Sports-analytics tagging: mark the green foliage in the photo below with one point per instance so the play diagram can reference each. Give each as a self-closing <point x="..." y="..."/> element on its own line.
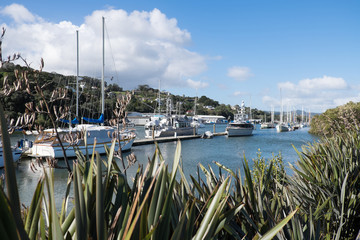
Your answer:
<point x="326" y="183"/>
<point x="336" y="120"/>
<point x="274" y="167"/>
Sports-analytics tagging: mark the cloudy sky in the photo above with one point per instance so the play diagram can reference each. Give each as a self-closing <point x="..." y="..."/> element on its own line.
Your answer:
<point x="227" y="50"/>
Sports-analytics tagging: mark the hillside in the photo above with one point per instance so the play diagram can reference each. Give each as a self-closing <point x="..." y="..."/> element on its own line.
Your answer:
<point x="144" y="98"/>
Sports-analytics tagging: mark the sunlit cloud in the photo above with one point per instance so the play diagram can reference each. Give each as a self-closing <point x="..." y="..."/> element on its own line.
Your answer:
<point x="318" y="93"/>
<point x="142" y="47"/>
<point x="19" y="13"/>
<point x="239" y="73"/>
<point x="196" y="84"/>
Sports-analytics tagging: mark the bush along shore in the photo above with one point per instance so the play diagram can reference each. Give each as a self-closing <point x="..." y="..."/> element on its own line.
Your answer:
<point x="320" y="200"/>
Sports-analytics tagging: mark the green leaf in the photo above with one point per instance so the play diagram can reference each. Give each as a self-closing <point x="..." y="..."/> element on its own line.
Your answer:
<point x="271" y="233"/>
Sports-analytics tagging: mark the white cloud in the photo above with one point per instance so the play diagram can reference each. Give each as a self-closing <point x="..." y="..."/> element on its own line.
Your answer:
<point x="237" y="93"/>
<point x="19" y="13"/>
<point x="317" y="93"/>
<point x="141" y="47"/>
<point x="196" y="84"/>
<point x="239" y="73"/>
<point x="342" y="101"/>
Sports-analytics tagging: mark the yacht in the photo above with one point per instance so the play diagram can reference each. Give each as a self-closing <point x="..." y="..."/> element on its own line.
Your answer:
<point x="240" y="126"/>
<point x="16" y="154"/>
<point x="282" y="127"/>
<point x="169" y="127"/>
<point x="46" y="143"/>
<point x="267" y="125"/>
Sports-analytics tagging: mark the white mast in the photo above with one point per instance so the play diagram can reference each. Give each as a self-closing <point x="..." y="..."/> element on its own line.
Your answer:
<point x="159" y="97"/>
<point x="103" y="69"/>
<point x="77" y="73"/>
<point x="282" y="109"/>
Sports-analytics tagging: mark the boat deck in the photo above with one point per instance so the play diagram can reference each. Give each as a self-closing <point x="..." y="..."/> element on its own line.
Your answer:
<point x="147" y="141"/>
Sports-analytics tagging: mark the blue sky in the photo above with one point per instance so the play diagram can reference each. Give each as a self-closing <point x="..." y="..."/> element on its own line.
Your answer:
<point x="227" y="50"/>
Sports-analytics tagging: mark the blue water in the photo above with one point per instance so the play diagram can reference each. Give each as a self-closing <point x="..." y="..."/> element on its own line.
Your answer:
<point x="228" y="151"/>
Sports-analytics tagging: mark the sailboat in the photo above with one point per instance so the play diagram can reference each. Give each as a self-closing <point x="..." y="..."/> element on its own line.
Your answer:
<point x="16" y="154"/>
<point x="282" y="127"/>
<point x="46" y="144"/>
<point x="271" y="124"/>
<point x="169" y="126"/>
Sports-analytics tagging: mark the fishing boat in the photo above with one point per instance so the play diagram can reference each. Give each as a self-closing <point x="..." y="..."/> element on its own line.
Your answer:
<point x="240" y="126"/>
<point x="47" y="144"/>
<point x="171" y="126"/>
<point x="16" y="154"/>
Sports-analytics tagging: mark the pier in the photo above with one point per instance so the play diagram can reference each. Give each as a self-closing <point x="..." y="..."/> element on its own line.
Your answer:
<point x="146" y="141"/>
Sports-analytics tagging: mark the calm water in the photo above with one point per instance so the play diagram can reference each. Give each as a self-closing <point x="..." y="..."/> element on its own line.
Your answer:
<point x="228" y="151"/>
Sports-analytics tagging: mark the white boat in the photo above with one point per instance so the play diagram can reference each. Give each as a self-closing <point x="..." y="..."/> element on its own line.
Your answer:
<point x="47" y="145"/>
<point x="282" y="127"/>
<point x="16" y="154"/>
<point x="207" y="134"/>
<point x="197" y="124"/>
<point x="267" y="125"/>
<point x="240" y="126"/>
<point x="236" y="129"/>
<point x="169" y="127"/>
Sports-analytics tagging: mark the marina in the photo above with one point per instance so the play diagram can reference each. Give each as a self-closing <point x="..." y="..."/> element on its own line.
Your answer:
<point x="228" y="151"/>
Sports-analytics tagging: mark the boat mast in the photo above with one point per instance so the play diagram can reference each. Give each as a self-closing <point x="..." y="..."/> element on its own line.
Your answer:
<point x="77" y="73"/>
<point x="282" y="108"/>
<point x="103" y="68"/>
<point x="159" y="97"/>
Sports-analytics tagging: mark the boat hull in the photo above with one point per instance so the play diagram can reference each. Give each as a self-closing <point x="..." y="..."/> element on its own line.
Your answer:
<point x="237" y="132"/>
<point x="47" y="150"/>
<point x="282" y="128"/>
<point x="170" y="132"/>
<point x="16" y="154"/>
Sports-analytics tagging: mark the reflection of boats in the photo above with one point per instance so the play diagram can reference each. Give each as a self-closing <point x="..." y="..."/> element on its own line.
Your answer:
<point x="169" y="126"/>
<point x="240" y="126"/>
<point x="47" y="145"/>
<point x="16" y="154"/>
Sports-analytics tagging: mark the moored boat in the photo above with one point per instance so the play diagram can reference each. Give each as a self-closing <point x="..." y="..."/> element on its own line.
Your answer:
<point x="47" y="145"/>
<point x="282" y="127"/>
<point x="267" y="125"/>
<point x="16" y="154"/>
<point x="169" y="127"/>
<point x="240" y="126"/>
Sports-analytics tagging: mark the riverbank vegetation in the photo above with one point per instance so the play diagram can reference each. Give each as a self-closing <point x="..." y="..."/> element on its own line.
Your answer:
<point x="336" y="120"/>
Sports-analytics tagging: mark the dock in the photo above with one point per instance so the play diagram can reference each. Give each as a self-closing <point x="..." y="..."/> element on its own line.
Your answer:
<point x="146" y="141"/>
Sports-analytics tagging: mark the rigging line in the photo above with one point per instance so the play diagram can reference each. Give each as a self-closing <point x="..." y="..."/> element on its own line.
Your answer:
<point x="112" y="55"/>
